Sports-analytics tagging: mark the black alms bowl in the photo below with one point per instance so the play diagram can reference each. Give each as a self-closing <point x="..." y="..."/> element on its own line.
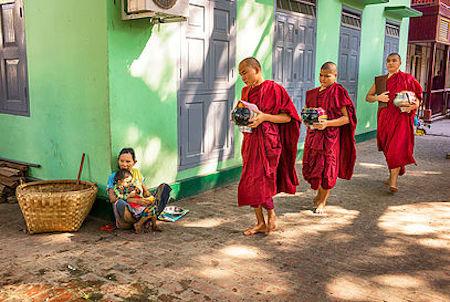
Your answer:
<point x="241" y="116"/>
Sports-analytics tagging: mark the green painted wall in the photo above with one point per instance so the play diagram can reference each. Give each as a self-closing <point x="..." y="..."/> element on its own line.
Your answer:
<point x="142" y="91"/>
<point x="371" y="52"/>
<point x="254" y="39"/>
<point x="98" y="84"/>
<point x="143" y="82"/>
<point x="67" y="71"/>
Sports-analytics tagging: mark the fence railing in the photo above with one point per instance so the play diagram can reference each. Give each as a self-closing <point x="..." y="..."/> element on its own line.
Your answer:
<point x="438" y="103"/>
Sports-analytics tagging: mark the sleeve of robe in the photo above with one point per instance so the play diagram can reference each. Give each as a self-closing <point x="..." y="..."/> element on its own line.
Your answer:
<point x="287" y="180"/>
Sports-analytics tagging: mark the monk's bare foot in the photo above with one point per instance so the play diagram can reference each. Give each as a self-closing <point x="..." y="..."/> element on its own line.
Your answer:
<point x="316" y="201"/>
<point x="271" y="223"/>
<point x="259" y="228"/>
<point x="320" y="209"/>
<point x="393" y="189"/>
<point x="393" y="186"/>
<point x="387" y="182"/>
<point x="272" y="220"/>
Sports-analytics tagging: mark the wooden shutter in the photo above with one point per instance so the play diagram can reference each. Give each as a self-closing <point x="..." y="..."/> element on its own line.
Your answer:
<point x="13" y="74"/>
<point x="349" y="46"/>
<point x="391" y="41"/>
<point x="443" y="30"/>
<point x="207" y="82"/>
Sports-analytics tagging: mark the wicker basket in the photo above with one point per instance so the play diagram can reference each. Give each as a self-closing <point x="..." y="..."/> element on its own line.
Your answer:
<point x="55" y="205"/>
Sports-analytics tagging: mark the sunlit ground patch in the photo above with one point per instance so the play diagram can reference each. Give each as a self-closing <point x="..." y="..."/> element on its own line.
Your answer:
<point x="423" y="173"/>
<point x="296" y="194"/>
<point x="228" y="258"/>
<point x="386" y="287"/>
<point x="204" y="223"/>
<point x="215" y="273"/>
<point x="241" y="251"/>
<point x="372" y="165"/>
<point x="361" y="175"/>
<point x="399" y="280"/>
<point x="55" y="238"/>
<point x="428" y="219"/>
<point x="304" y="223"/>
<point x="349" y="287"/>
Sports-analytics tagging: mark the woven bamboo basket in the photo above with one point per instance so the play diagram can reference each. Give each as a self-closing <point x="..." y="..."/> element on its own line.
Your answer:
<point x="55" y="205"/>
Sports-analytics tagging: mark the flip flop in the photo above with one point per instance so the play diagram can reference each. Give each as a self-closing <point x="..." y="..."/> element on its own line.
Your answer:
<point x="107" y="228"/>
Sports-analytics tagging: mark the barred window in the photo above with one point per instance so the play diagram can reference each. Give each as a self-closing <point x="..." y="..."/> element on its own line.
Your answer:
<point x="443" y="30"/>
<point x="351" y="19"/>
<point x="392" y="30"/>
<point x="307" y="7"/>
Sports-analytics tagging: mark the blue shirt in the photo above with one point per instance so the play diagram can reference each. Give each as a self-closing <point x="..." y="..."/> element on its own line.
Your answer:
<point x="110" y="184"/>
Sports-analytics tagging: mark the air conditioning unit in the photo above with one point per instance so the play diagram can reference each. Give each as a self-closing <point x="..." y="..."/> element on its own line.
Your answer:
<point x="161" y="10"/>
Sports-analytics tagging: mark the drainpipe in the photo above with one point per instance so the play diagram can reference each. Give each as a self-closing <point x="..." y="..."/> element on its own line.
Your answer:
<point x="427" y="112"/>
<point x="445" y="71"/>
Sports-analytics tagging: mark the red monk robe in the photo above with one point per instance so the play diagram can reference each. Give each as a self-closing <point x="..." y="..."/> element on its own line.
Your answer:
<point x="330" y="153"/>
<point x="269" y="152"/>
<point x="395" y="133"/>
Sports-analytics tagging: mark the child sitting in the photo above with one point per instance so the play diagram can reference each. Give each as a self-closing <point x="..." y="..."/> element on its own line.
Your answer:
<point x="142" y="208"/>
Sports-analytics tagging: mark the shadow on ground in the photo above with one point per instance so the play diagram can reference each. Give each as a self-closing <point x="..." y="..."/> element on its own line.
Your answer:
<point x="370" y="246"/>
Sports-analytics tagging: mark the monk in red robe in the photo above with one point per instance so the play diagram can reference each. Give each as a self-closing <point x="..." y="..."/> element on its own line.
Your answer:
<point x="330" y="148"/>
<point x="395" y="131"/>
<point x="269" y="152"/>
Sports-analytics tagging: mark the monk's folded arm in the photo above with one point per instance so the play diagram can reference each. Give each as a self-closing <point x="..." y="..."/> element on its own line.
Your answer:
<point x="280" y="118"/>
<point x="344" y="119"/>
<point x="338" y="122"/>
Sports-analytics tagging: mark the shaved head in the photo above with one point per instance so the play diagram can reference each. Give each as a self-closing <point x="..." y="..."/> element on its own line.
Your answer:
<point x="251" y="62"/>
<point x="394" y="54"/>
<point x="329" y="66"/>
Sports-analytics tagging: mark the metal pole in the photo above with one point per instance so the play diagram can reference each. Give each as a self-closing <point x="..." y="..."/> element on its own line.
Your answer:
<point x="427" y="111"/>
<point x="445" y="71"/>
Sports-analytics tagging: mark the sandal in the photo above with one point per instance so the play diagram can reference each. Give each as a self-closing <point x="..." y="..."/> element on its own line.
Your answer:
<point x="107" y="228"/>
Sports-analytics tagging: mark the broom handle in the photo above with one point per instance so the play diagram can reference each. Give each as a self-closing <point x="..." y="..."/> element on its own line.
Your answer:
<point x="81" y="168"/>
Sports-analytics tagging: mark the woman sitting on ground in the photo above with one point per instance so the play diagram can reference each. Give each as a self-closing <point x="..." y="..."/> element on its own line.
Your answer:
<point x="125" y="211"/>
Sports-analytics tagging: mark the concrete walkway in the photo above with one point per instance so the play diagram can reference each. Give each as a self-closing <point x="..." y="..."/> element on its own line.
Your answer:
<point x="370" y="246"/>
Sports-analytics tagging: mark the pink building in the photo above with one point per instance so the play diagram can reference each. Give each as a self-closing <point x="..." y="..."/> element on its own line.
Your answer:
<point x="428" y="55"/>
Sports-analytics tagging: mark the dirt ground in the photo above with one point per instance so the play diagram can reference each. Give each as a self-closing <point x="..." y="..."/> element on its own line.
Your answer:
<point x="370" y="246"/>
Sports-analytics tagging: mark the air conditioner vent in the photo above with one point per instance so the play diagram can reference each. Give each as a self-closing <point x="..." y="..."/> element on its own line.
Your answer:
<point x="165" y="4"/>
<point x="161" y="10"/>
